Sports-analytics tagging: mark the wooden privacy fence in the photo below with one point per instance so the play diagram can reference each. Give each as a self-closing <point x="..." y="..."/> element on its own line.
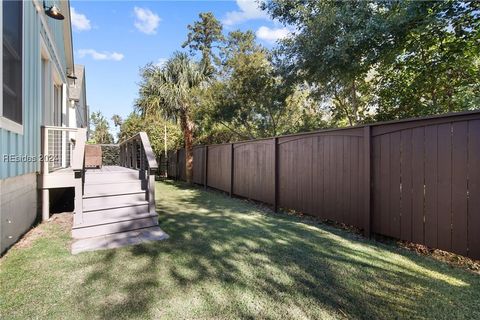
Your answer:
<point x="415" y="180"/>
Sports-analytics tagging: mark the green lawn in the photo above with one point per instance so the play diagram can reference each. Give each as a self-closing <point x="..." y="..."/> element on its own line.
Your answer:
<point x="228" y="259"/>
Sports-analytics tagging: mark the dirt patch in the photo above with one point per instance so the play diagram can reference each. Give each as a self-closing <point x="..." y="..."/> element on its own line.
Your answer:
<point x="448" y="257"/>
<point x="63" y="220"/>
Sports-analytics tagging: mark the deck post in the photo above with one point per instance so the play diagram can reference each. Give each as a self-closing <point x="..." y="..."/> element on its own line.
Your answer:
<point x="45" y="204"/>
<point x="44" y="168"/>
<point x="78" y="201"/>
<point x="151" y="191"/>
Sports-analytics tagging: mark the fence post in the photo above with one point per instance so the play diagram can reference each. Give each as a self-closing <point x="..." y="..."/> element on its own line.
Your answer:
<point x="205" y="165"/>
<point x="275" y="174"/>
<point x="232" y="152"/>
<point x="367" y="187"/>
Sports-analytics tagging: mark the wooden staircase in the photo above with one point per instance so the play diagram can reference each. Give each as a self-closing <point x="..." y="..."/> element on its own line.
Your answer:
<point x="115" y="205"/>
<point x="115" y="200"/>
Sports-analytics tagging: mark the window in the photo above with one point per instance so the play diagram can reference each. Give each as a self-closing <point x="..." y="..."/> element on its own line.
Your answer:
<point x="12" y="60"/>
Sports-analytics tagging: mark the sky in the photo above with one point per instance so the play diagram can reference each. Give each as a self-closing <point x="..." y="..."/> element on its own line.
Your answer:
<point x="114" y="39"/>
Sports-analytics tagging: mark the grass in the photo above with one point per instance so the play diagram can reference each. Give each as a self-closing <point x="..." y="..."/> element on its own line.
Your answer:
<point x="226" y="258"/>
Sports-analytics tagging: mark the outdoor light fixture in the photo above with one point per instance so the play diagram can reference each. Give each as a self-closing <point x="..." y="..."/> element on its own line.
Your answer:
<point x="53" y="12"/>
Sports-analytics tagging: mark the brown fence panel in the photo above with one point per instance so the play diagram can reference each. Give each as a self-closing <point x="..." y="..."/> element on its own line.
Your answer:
<point x="199" y="164"/>
<point x="254" y="170"/>
<point x="219" y="166"/>
<point x="426" y="182"/>
<point x="415" y="180"/>
<point x="474" y="189"/>
<point x="172" y="164"/>
<point x="321" y="174"/>
<point x="181" y="167"/>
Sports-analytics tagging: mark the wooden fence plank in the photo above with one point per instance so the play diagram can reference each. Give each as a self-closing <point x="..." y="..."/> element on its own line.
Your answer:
<point x="407" y="176"/>
<point x="384" y="184"/>
<point x="376" y="217"/>
<point x="394" y="190"/>
<point x="348" y="189"/>
<point x="474" y="189"/>
<point x="431" y="186"/>
<point x="459" y="187"/>
<point x="338" y="176"/>
<point x="444" y="187"/>
<point x="418" y="168"/>
<point x="364" y="183"/>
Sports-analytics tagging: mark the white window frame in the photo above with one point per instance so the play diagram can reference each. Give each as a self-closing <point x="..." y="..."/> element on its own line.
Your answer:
<point x="6" y="123"/>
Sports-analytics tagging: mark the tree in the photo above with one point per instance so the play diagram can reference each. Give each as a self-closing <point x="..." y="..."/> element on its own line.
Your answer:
<point x="117" y="120"/>
<point x="400" y="58"/>
<point x="202" y="36"/>
<point x="169" y="90"/>
<point x="438" y="69"/>
<point x="99" y="129"/>
<point x="154" y="125"/>
<point x="250" y="99"/>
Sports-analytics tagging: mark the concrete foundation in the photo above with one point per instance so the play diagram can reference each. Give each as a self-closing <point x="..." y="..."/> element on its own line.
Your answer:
<point x="18" y="208"/>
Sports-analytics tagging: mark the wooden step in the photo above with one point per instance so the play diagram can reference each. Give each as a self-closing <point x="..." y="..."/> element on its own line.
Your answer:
<point x="111" y="177"/>
<point x="113" y="227"/>
<point x="117" y="240"/>
<point x="112" y="187"/>
<point x="106" y="217"/>
<point x="134" y="205"/>
<point x="112" y="200"/>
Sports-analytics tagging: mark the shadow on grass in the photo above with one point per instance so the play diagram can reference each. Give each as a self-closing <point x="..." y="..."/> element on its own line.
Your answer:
<point x="226" y="259"/>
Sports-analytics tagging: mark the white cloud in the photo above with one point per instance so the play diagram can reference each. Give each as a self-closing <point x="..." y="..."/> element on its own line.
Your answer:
<point x="104" y="55"/>
<point x="271" y="34"/>
<point x="80" y="21"/>
<point x="146" y="21"/>
<point x="249" y="9"/>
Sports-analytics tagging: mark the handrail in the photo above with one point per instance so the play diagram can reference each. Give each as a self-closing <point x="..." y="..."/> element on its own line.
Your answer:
<point x="129" y="158"/>
<point x="152" y="162"/>
<point x="136" y="153"/>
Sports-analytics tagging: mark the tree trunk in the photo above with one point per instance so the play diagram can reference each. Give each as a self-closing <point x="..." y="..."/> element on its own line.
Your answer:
<point x="187" y="127"/>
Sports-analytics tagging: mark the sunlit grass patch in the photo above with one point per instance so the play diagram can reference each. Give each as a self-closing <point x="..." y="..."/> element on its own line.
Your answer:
<point x="226" y="258"/>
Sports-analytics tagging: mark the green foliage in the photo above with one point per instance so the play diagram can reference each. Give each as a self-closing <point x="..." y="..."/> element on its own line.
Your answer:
<point x="99" y="129"/>
<point x="170" y="91"/>
<point x="154" y="125"/>
<point x="438" y="68"/>
<point x="203" y="36"/>
<point x="110" y="155"/>
<point x="394" y="58"/>
<point x="346" y="63"/>
<point x="117" y="120"/>
<point x="250" y="99"/>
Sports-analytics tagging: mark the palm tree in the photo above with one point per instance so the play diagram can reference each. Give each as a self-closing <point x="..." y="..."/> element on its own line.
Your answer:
<point x="170" y="89"/>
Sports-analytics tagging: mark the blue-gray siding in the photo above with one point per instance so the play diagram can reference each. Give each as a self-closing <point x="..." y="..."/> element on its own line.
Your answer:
<point x="29" y="142"/>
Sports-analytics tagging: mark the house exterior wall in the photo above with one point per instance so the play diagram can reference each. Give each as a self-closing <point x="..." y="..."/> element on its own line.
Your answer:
<point x="81" y="108"/>
<point x="18" y="179"/>
<point x="35" y="31"/>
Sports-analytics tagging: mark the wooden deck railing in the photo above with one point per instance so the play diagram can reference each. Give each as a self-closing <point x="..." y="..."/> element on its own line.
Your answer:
<point x="136" y="153"/>
<point x="62" y="148"/>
